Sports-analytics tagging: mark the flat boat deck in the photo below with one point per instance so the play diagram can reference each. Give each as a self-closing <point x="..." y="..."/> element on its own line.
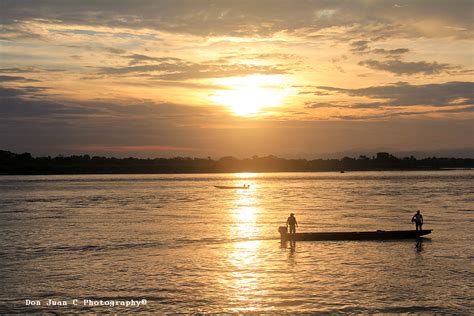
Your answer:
<point x="369" y="235"/>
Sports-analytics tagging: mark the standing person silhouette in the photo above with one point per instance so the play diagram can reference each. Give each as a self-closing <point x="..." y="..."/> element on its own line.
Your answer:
<point x="291" y="221"/>
<point x="418" y="220"/>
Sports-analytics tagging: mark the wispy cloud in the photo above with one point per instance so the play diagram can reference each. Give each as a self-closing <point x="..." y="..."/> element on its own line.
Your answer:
<point x="359" y="46"/>
<point x="393" y="114"/>
<point x="139" y="59"/>
<point x="178" y="69"/>
<point x="26" y="70"/>
<point x="318" y="105"/>
<point x="363" y="47"/>
<point x="407" y="68"/>
<point x="390" y="52"/>
<point x="16" y="78"/>
<point x="405" y="94"/>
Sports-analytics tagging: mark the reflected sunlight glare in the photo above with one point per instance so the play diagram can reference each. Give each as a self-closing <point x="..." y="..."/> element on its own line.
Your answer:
<point x="244" y="215"/>
<point x="244" y="281"/>
<point x="245" y="175"/>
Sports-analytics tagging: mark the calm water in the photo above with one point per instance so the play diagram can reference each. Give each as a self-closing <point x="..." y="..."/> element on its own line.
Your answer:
<point x="184" y="246"/>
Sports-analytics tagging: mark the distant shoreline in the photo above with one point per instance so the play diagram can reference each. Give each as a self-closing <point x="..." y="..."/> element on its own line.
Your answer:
<point x="201" y="173"/>
<point x="25" y="164"/>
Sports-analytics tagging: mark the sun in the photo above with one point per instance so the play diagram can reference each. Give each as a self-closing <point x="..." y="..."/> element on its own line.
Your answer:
<point x="247" y="96"/>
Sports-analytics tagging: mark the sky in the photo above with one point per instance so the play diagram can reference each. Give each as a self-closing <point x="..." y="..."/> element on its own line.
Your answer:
<point x="295" y="78"/>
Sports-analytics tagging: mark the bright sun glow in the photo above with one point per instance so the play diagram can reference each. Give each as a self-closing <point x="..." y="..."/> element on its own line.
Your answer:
<point x="247" y="96"/>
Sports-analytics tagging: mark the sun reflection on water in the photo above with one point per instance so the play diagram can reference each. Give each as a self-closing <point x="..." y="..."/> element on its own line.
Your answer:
<point x="245" y="175"/>
<point x="244" y="216"/>
<point x="243" y="280"/>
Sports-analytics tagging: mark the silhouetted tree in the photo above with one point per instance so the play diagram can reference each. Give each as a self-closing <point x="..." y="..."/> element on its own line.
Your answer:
<point x="11" y="163"/>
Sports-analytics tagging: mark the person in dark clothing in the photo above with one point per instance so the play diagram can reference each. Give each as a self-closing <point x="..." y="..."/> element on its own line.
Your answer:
<point x="418" y="220"/>
<point x="291" y="221"/>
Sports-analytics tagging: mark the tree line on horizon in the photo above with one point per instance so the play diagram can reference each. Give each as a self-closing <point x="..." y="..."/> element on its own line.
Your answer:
<point x="25" y="163"/>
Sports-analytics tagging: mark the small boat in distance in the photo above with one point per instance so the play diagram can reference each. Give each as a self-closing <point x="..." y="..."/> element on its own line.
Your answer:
<point x="369" y="235"/>
<point x="232" y="187"/>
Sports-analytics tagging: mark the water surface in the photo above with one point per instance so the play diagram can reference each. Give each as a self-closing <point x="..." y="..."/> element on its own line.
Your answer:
<point x="185" y="246"/>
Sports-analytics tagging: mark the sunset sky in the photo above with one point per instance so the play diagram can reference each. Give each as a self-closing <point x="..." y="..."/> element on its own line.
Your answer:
<point x="197" y="78"/>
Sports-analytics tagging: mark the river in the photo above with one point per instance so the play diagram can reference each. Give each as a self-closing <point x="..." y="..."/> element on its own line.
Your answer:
<point x="177" y="244"/>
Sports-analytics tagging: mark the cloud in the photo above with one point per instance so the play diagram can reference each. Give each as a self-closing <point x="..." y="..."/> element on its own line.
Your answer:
<point x="21" y="91"/>
<point x="32" y="102"/>
<point x="407" y="68"/>
<point x="17" y="31"/>
<point x="390" y="52"/>
<point x="114" y="50"/>
<point x="110" y="50"/>
<point x="161" y="46"/>
<point x="404" y="94"/>
<point x="241" y="56"/>
<point x="27" y="70"/>
<point x="458" y="110"/>
<point x="248" y="18"/>
<point x="360" y="46"/>
<point x="468" y="109"/>
<point x="318" y="105"/>
<point x="16" y="78"/>
<point x="178" y="69"/>
<point x="14" y="106"/>
<point x="217" y="71"/>
<point x="39" y="123"/>
<point x="368" y="105"/>
<point x="139" y="59"/>
<point x="152" y="81"/>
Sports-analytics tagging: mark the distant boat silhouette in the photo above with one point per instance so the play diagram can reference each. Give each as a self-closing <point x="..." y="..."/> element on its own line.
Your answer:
<point x="232" y="187"/>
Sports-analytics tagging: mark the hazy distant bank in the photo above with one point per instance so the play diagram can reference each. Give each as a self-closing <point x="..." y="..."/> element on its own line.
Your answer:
<point x="11" y="164"/>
